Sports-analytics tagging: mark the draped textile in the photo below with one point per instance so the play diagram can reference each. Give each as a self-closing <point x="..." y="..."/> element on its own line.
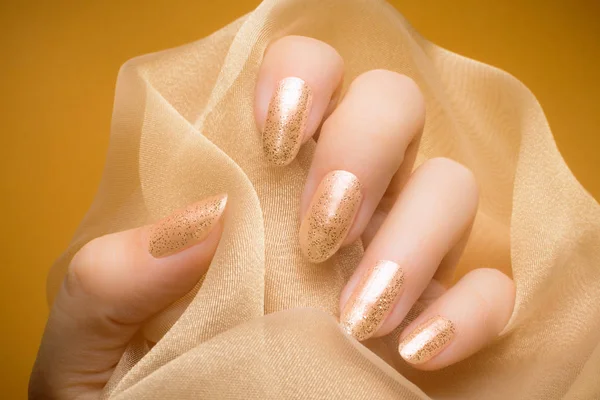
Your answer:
<point x="262" y="323"/>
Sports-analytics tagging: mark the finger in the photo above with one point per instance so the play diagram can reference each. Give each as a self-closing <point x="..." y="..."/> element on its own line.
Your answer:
<point x="393" y="191"/>
<point x="361" y="146"/>
<point x="114" y="283"/>
<point x="432" y="214"/>
<point x="466" y="318"/>
<point x="296" y="82"/>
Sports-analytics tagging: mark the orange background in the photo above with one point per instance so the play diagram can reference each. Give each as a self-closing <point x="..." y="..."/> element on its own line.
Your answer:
<point x="58" y="70"/>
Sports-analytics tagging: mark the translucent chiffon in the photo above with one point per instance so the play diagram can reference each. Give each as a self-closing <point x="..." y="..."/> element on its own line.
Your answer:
<point x="262" y="323"/>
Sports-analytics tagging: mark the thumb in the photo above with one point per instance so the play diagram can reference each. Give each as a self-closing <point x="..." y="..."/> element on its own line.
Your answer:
<point x="114" y="283"/>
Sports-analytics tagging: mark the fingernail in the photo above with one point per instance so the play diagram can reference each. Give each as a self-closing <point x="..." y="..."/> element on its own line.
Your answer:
<point x="372" y="299"/>
<point x="185" y="228"/>
<point x="286" y="120"/>
<point x="427" y="340"/>
<point x="330" y="215"/>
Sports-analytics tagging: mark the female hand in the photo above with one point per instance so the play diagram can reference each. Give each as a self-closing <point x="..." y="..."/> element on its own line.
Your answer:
<point x="414" y="226"/>
<point x="113" y="285"/>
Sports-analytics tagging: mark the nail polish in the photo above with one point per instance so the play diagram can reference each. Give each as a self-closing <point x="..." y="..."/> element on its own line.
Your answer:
<point x="427" y="340"/>
<point x="286" y="120"/>
<point x="372" y="299"/>
<point x="330" y="215"/>
<point x="186" y="227"/>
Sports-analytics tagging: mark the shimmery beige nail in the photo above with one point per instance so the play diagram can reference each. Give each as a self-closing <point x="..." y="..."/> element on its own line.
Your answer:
<point x="330" y="215"/>
<point x="185" y="227"/>
<point x="427" y="340"/>
<point x="372" y="299"/>
<point x="286" y="120"/>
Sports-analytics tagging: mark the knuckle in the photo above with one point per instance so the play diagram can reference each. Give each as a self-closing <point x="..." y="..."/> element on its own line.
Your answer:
<point x="481" y="309"/>
<point x="403" y="86"/>
<point x="398" y="97"/>
<point x="86" y="282"/>
<point x="80" y="274"/>
<point x="456" y="172"/>
<point x="495" y="293"/>
<point x="394" y="102"/>
<point x="491" y="275"/>
<point x="387" y="76"/>
<point x="498" y="279"/>
<point x="305" y="45"/>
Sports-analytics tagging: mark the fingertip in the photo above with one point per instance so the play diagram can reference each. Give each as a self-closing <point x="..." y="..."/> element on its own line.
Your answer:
<point x="136" y="273"/>
<point x="185" y="227"/>
<point x="465" y="319"/>
<point x="296" y="82"/>
<point x="331" y="214"/>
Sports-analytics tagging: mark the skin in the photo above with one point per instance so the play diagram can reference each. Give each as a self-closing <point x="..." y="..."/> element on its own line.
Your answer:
<point x="421" y="220"/>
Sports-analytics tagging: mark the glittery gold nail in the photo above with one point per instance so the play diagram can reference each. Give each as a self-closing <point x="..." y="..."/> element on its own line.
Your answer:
<point x="372" y="299"/>
<point x="286" y="120"/>
<point x="185" y="227"/>
<point x="330" y="215"/>
<point x="427" y="340"/>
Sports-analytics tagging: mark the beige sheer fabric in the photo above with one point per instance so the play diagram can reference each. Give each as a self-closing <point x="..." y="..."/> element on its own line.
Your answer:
<point x="262" y="324"/>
